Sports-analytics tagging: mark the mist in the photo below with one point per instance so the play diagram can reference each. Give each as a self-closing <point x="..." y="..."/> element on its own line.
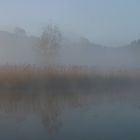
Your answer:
<point x="18" y="48"/>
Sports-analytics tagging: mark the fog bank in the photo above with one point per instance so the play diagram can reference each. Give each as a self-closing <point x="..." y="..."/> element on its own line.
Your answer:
<point x="18" y="48"/>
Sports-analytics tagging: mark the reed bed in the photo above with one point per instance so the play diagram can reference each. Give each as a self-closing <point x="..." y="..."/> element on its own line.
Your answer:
<point x="64" y="77"/>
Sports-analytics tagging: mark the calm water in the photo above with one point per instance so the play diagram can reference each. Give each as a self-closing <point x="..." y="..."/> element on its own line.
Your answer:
<point x="75" y="115"/>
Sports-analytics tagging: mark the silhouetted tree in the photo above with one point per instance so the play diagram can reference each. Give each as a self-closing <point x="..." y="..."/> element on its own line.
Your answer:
<point x="50" y="41"/>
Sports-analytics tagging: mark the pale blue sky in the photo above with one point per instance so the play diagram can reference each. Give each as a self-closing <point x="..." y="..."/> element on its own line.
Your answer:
<point x="108" y="22"/>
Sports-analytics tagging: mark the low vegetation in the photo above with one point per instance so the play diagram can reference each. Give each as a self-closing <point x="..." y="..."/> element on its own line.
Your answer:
<point x="64" y="77"/>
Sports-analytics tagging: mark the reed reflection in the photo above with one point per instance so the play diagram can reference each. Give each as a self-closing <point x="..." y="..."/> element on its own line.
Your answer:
<point x="48" y="106"/>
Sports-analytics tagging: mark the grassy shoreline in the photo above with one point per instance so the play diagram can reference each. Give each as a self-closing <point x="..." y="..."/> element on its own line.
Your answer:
<point x="60" y="77"/>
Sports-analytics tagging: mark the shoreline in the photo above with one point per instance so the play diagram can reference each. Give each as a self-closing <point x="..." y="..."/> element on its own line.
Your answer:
<point x="65" y="78"/>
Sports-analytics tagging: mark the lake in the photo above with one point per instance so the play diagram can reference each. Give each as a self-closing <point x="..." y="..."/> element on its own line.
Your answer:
<point x="110" y="114"/>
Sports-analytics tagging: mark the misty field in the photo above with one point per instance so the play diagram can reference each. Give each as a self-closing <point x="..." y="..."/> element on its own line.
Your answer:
<point x="66" y="78"/>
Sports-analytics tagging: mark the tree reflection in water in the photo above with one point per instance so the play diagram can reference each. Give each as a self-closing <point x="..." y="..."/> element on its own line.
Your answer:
<point x="48" y="106"/>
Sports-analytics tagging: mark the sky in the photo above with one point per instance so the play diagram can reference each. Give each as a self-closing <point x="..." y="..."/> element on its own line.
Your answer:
<point x="108" y="22"/>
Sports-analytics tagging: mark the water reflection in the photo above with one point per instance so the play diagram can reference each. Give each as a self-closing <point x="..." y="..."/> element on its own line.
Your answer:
<point x="50" y="107"/>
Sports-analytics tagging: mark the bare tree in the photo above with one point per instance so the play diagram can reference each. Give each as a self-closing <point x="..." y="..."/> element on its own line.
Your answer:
<point x="50" y="42"/>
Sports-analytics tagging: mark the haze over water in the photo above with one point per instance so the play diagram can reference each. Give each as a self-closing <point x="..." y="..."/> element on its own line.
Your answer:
<point x="96" y="114"/>
<point x="69" y="70"/>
